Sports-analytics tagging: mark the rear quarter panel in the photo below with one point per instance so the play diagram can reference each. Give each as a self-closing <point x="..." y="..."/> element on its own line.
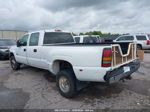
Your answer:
<point x="85" y="58"/>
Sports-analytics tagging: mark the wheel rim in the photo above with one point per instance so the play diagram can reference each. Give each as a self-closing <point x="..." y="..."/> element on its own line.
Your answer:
<point x="64" y="84"/>
<point x="13" y="63"/>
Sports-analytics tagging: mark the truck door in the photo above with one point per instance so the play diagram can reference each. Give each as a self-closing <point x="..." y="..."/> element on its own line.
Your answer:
<point x="33" y="52"/>
<point x="21" y="52"/>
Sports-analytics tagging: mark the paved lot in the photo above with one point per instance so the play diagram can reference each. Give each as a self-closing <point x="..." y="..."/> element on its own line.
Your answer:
<point x="33" y="88"/>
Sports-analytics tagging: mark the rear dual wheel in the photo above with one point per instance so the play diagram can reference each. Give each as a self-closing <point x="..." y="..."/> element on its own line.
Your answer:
<point x="66" y="83"/>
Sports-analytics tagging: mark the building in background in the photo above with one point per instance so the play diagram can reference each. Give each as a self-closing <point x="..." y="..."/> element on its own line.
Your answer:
<point x="12" y="34"/>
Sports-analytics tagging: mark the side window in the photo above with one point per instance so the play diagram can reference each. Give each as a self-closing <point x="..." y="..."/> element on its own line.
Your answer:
<point x="121" y="38"/>
<point x="77" y="39"/>
<point x="141" y="37"/>
<point x="149" y="37"/>
<point x="129" y="38"/>
<point x="34" y="39"/>
<point x="24" y="40"/>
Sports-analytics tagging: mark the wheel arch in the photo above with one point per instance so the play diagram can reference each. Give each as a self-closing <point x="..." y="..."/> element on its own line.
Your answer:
<point x="11" y="54"/>
<point x="59" y="65"/>
<point x="140" y="45"/>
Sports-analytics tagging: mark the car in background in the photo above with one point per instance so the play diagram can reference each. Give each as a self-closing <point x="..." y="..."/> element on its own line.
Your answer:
<point x="143" y="41"/>
<point x="5" y="45"/>
<point x="87" y="39"/>
<point x="108" y="39"/>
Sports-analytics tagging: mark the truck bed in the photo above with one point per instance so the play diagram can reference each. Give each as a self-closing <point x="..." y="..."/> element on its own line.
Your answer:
<point x="122" y="52"/>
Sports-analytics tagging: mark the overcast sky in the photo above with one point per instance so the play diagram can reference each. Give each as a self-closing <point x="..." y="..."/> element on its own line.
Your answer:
<point x="115" y="16"/>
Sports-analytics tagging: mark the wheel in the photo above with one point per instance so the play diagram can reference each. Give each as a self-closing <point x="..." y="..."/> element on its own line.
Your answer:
<point x="66" y="83"/>
<point x="139" y="47"/>
<point x="14" y="64"/>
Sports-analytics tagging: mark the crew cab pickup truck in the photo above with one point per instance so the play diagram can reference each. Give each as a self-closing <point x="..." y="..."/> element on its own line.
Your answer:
<point x="75" y="65"/>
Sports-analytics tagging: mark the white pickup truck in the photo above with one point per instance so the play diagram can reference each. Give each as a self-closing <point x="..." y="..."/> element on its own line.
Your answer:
<point x="74" y="64"/>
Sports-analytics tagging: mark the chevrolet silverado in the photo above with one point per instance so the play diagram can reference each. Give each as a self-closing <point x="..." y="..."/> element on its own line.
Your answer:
<point x="75" y="64"/>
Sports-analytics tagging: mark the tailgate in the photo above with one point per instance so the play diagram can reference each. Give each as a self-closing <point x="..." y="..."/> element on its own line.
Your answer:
<point x="119" y="58"/>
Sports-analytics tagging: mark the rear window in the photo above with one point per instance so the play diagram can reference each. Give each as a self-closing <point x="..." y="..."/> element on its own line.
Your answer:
<point x="90" y="40"/>
<point x="57" y="37"/>
<point x="141" y="37"/>
<point x="7" y="42"/>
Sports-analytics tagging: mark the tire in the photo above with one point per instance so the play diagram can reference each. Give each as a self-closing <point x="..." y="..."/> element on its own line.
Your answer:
<point x="66" y="83"/>
<point x="14" y="64"/>
<point x="139" y="47"/>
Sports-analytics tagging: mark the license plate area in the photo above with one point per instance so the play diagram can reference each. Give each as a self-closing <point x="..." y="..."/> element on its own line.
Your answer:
<point x="126" y="69"/>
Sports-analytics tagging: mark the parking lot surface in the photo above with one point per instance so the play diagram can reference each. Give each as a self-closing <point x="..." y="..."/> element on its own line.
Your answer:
<point x="32" y="88"/>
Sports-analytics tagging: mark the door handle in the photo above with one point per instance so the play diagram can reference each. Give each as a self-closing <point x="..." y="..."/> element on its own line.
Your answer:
<point x="24" y="50"/>
<point x="35" y="50"/>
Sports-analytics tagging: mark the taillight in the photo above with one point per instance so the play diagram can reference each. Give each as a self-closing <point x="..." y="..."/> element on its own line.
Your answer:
<point x="102" y="41"/>
<point x="107" y="57"/>
<point x="148" y="42"/>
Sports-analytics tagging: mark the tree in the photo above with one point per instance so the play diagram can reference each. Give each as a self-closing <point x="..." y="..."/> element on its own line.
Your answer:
<point x="99" y="33"/>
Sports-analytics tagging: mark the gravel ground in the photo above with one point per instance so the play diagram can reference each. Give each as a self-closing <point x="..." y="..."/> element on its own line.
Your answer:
<point x="32" y="88"/>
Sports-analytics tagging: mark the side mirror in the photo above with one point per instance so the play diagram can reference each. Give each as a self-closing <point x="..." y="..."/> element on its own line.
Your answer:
<point x="18" y="43"/>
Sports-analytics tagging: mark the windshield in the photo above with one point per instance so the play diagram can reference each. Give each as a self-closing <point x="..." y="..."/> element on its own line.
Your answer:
<point x="90" y="40"/>
<point x="7" y="42"/>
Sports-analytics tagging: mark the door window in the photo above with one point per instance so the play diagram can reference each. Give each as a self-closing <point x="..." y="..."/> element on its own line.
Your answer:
<point x="24" y="40"/>
<point x="34" y="39"/>
<point x="121" y="38"/>
<point x="126" y="38"/>
<point x="129" y="38"/>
